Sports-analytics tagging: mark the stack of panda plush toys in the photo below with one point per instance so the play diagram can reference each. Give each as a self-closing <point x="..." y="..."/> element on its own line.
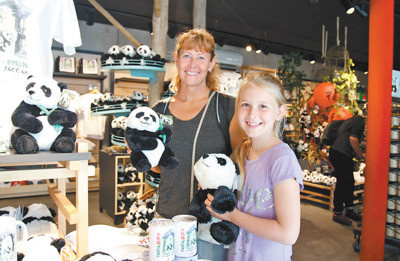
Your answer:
<point x="127" y="55"/>
<point x="110" y="102"/>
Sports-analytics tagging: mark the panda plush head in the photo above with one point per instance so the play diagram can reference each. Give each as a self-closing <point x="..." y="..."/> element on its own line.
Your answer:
<point x="43" y="91"/>
<point x="128" y="50"/>
<point x="39" y="219"/>
<point x="216" y="169"/>
<point x="144" y="119"/>
<point x="144" y="51"/>
<point x="113" y="50"/>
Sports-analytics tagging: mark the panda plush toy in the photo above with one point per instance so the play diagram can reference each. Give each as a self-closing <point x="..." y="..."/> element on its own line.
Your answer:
<point x="42" y="247"/>
<point x="41" y="124"/>
<point x="146" y="137"/>
<point x="39" y="219"/>
<point x="219" y="176"/>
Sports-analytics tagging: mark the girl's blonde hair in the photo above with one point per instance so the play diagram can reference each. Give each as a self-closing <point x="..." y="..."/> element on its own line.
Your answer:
<point x="201" y="40"/>
<point x="274" y="87"/>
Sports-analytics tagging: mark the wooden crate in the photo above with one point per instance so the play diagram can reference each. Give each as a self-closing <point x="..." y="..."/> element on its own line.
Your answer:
<point x="126" y="86"/>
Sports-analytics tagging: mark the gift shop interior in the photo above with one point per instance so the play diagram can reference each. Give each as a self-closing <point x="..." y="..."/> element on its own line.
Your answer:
<point x="83" y="71"/>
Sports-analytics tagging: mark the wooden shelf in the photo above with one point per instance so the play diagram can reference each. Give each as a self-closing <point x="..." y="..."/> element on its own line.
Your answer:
<point x="82" y="76"/>
<point x="74" y="165"/>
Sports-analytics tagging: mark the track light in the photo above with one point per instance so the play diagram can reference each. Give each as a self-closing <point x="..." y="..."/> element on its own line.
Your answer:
<point x="150" y="26"/>
<point x="312" y="59"/>
<point x="267" y="49"/>
<point x="221" y="40"/>
<point x="257" y="47"/>
<point x="172" y="31"/>
<point x="348" y="5"/>
<point x="90" y="16"/>
<point x="249" y="48"/>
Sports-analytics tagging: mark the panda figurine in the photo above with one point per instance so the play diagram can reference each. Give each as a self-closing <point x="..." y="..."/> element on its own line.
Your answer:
<point x="41" y="124"/>
<point x="147" y="138"/>
<point x="42" y="247"/>
<point x="219" y="176"/>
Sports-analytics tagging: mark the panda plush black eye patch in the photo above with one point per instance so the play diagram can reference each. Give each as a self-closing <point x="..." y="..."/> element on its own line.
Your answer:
<point x="153" y="118"/>
<point x="30" y="85"/>
<point x="221" y="161"/>
<point x="139" y="115"/>
<point x="46" y="91"/>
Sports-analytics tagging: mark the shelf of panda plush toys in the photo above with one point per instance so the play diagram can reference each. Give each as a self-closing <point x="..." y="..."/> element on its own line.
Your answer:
<point x="320" y="187"/>
<point x="141" y="62"/>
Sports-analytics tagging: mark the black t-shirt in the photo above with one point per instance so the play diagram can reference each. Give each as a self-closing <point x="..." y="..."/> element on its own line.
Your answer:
<point x="353" y="127"/>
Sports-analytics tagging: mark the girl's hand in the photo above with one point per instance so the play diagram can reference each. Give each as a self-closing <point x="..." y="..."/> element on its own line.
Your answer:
<point x="226" y="216"/>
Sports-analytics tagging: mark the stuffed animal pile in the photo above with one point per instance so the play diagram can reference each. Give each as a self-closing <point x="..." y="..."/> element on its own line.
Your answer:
<point x="127" y="174"/>
<point x="41" y="123"/>
<point x="43" y="241"/>
<point x="219" y="176"/>
<point x="109" y="101"/>
<point x="128" y="55"/>
<point x="141" y="213"/>
<point x="146" y="137"/>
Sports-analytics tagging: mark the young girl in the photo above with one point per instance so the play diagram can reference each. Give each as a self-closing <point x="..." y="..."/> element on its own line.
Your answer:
<point x="268" y="209"/>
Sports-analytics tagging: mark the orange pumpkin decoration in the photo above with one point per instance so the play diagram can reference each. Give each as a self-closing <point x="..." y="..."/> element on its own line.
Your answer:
<point x="339" y="114"/>
<point x="325" y="94"/>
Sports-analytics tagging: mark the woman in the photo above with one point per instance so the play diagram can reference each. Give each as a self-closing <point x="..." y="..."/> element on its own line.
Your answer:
<point x="195" y="83"/>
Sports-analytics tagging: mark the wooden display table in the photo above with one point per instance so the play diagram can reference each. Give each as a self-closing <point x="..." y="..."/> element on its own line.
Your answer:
<point x="67" y="165"/>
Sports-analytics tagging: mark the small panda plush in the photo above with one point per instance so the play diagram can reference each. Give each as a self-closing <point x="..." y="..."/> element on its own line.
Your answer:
<point x="144" y="51"/>
<point x="110" y="57"/>
<point x="118" y="126"/>
<point x="39" y="219"/>
<point x="219" y="176"/>
<point x="41" y="124"/>
<point x="42" y="247"/>
<point x="147" y="138"/>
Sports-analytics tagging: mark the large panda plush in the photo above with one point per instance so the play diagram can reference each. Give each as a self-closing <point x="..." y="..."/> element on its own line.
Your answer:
<point x="147" y="138"/>
<point x="41" y="247"/>
<point x="219" y="176"/>
<point x="41" y="124"/>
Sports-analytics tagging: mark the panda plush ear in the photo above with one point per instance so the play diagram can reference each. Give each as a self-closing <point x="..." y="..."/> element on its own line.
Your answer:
<point x="62" y="85"/>
<point x="58" y="244"/>
<point x="30" y="76"/>
<point x="53" y="212"/>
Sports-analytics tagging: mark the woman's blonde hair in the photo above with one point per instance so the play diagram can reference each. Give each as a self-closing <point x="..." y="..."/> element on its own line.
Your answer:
<point x="274" y="87"/>
<point x="201" y="40"/>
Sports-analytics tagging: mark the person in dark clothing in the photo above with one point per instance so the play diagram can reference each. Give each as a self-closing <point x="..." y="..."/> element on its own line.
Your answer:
<point x="341" y="154"/>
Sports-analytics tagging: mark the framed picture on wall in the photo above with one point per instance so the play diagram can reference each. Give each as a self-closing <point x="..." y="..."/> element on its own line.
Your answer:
<point x="66" y="64"/>
<point x="88" y="66"/>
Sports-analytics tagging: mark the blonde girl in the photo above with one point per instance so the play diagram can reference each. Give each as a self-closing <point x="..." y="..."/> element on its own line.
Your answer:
<point x="268" y="209"/>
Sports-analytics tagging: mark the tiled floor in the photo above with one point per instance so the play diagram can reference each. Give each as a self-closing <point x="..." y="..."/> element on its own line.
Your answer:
<point x="320" y="237"/>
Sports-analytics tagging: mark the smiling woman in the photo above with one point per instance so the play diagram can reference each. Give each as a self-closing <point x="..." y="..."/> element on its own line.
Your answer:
<point x="195" y="127"/>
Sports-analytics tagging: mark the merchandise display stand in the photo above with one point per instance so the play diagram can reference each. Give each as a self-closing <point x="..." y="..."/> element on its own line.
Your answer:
<point x="109" y="186"/>
<point x="324" y="194"/>
<point x="72" y="165"/>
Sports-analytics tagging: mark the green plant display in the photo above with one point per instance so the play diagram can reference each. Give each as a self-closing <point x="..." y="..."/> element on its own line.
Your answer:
<point x="292" y="80"/>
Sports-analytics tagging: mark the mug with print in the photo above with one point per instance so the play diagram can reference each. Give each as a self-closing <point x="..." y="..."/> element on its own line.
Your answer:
<point x="10" y="229"/>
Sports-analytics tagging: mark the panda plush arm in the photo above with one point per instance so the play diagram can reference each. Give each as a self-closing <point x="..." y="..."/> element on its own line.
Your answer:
<point x="140" y="140"/>
<point x="62" y="117"/>
<point x="24" y="117"/>
<point x="165" y="132"/>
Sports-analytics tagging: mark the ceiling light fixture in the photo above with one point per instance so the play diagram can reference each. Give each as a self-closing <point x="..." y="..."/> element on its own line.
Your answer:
<point x="257" y="47"/>
<point x="150" y="26"/>
<point x="172" y="31"/>
<point x="312" y="59"/>
<point x="249" y="48"/>
<point x="90" y="16"/>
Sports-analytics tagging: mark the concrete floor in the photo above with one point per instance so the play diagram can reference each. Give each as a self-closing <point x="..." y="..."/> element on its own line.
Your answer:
<point x="320" y="237"/>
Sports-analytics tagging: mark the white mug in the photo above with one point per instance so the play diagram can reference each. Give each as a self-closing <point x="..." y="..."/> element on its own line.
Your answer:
<point x="394" y="134"/>
<point x="395" y="121"/>
<point x="394" y="148"/>
<point x="8" y="237"/>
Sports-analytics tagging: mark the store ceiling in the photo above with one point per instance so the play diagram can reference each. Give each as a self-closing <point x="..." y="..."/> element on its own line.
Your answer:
<point x="285" y="25"/>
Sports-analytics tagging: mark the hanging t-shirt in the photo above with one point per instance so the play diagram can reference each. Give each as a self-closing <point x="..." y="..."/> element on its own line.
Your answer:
<point x="27" y="30"/>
